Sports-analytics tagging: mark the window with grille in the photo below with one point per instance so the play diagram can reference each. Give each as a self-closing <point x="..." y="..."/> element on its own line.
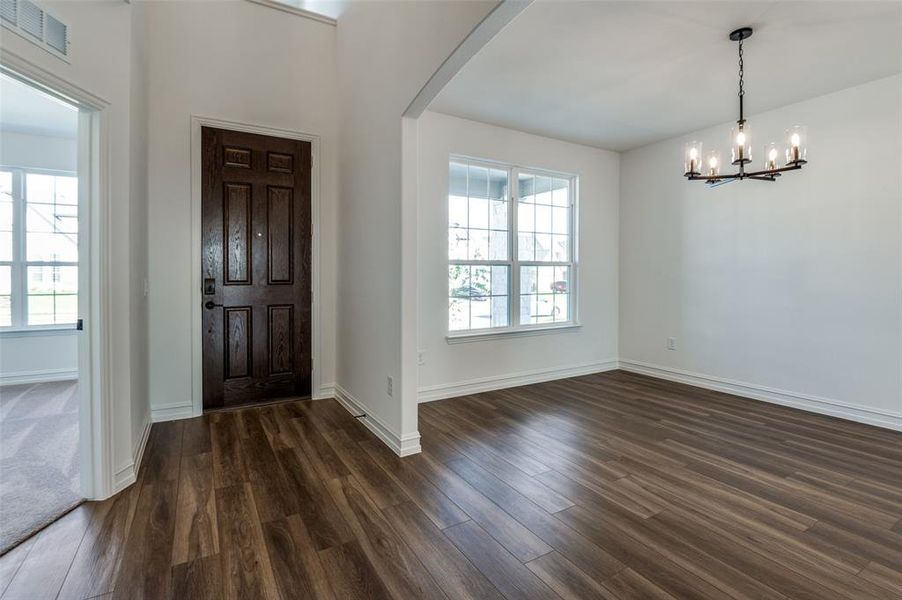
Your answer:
<point x="510" y="247"/>
<point x="38" y="248"/>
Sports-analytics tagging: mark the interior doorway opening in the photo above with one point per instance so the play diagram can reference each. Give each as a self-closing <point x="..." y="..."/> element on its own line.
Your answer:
<point x="42" y="255"/>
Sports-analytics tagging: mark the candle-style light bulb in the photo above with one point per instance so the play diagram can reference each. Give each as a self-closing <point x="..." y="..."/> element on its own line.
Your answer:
<point x="741" y="152"/>
<point x="712" y="163"/>
<point x="796" y="152"/>
<point x="693" y="158"/>
<point x="770" y="156"/>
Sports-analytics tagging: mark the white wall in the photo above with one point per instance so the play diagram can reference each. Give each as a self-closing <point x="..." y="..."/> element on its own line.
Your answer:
<point x="386" y="53"/>
<point x="455" y="369"/>
<point x="138" y="112"/>
<point x="100" y="62"/>
<point x="238" y="62"/>
<point x="792" y="286"/>
<point x="33" y="357"/>
<point x="28" y="358"/>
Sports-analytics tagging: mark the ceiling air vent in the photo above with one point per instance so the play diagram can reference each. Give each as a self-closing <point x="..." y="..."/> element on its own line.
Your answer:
<point x="34" y="24"/>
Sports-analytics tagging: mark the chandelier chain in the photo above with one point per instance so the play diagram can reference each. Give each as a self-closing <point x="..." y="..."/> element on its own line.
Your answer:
<point x="741" y="72"/>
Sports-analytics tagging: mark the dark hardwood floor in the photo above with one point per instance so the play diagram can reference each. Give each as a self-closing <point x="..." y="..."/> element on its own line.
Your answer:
<point x="605" y="486"/>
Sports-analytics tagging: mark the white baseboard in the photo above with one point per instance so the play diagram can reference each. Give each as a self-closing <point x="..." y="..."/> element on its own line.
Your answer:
<point x="326" y="390"/>
<point x="815" y="404"/>
<point x="42" y="376"/>
<point x="401" y="445"/>
<point x="171" y="412"/>
<point x="497" y="382"/>
<point x="128" y="474"/>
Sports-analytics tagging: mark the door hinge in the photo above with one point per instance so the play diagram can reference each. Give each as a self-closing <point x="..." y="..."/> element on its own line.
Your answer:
<point x="80" y="325"/>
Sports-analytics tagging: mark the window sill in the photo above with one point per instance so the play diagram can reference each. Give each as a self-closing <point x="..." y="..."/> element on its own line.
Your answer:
<point x="462" y="338"/>
<point x="38" y="332"/>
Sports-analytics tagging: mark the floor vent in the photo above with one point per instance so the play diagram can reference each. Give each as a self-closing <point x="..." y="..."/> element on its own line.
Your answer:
<point x="34" y="24"/>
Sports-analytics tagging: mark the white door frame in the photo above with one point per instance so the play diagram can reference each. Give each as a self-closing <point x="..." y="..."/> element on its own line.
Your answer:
<point x="94" y="291"/>
<point x="197" y="122"/>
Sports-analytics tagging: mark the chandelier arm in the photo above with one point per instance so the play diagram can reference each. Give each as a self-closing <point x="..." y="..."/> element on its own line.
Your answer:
<point x="793" y="167"/>
<point x="713" y="177"/>
<point x="766" y="175"/>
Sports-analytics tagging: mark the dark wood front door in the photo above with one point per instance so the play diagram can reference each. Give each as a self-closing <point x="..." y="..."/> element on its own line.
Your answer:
<point x="256" y="268"/>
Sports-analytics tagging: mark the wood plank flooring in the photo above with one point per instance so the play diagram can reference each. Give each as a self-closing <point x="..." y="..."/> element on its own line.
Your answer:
<point x="604" y="486"/>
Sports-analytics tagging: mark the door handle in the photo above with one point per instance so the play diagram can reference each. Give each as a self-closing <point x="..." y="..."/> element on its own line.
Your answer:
<point x="209" y="304"/>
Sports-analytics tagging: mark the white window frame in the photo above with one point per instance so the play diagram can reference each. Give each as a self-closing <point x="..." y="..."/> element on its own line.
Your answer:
<point x="20" y="263"/>
<point x="513" y="262"/>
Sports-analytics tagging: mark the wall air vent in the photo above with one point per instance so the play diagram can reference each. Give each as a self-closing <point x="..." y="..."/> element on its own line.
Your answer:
<point x="34" y="24"/>
<point x="9" y="11"/>
<point x="31" y="19"/>
<point x="56" y="34"/>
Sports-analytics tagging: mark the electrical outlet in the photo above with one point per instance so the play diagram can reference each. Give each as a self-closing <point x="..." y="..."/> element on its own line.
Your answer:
<point x="389" y="385"/>
<point x="421" y="357"/>
<point x="671" y="343"/>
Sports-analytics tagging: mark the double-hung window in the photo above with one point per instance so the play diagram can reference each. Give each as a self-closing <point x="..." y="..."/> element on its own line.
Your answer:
<point x="38" y="248"/>
<point x="511" y="263"/>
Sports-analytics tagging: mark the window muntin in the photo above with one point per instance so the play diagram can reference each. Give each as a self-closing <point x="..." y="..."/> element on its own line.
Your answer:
<point x="499" y="281"/>
<point x="478" y="296"/>
<point x="6" y="247"/>
<point x="6" y="312"/>
<point x="38" y="248"/>
<point x="478" y="247"/>
<point x="544" y="223"/>
<point x="544" y="294"/>
<point x="478" y="224"/>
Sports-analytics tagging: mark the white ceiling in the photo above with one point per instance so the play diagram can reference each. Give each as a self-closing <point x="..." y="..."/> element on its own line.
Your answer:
<point x="24" y="109"/>
<point x="619" y="75"/>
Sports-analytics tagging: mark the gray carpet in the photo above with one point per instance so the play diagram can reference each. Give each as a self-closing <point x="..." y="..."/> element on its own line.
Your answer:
<point x="38" y="457"/>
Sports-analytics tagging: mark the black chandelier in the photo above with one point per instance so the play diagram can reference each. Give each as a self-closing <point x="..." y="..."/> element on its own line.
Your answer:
<point x="699" y="167"/>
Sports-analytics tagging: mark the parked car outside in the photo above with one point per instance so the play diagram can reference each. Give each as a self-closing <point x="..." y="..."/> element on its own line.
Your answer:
<point x="471" y="292"/>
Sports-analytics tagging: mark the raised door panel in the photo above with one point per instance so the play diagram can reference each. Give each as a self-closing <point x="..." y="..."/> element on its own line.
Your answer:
<point x="238" y="342"/>
<point x="280" y="227"/>
<point x="237" y="233"/>
<point x="236" y="157"/>
<point x="280" y="163"/>
<point x="281" y="339"/>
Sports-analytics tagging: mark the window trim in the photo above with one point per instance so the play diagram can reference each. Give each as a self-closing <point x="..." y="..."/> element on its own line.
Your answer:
<point x="515" y="328"/>
<point x="19" y="264"/>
